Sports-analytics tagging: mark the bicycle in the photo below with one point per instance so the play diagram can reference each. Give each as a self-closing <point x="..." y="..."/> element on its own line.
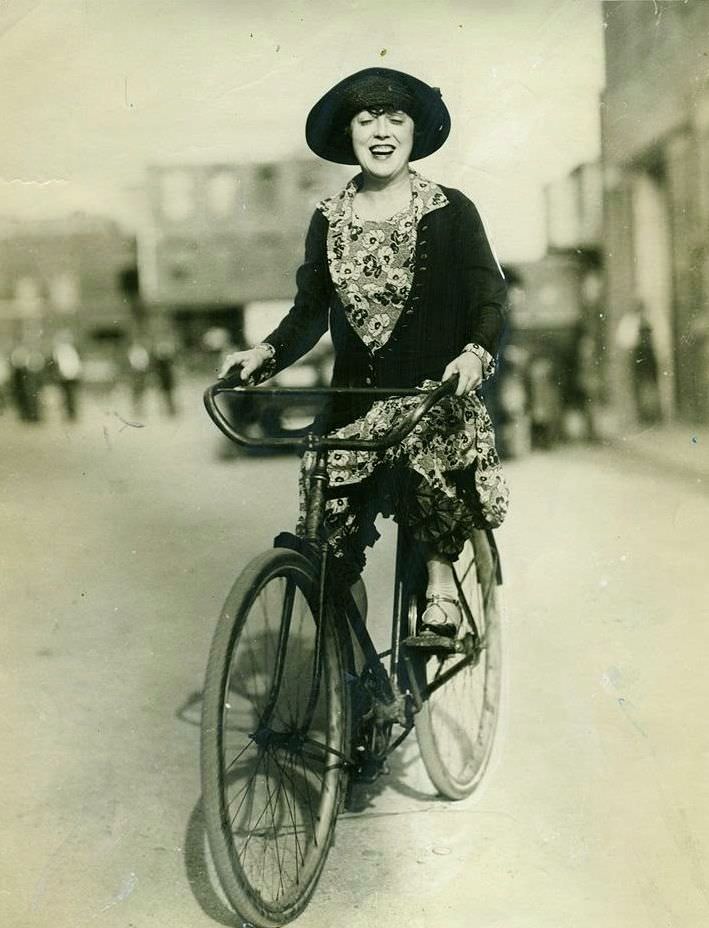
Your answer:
<point x="298" y="705"/>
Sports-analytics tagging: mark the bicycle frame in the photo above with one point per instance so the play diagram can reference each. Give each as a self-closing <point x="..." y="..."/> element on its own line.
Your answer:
<point x="391" y="705"/>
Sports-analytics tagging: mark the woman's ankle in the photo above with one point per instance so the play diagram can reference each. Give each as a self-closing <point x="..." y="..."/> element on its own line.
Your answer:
<point x="441" y="580"/>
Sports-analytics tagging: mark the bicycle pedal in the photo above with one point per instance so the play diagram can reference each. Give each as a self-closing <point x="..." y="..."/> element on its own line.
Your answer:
<point x="433" y="643"/>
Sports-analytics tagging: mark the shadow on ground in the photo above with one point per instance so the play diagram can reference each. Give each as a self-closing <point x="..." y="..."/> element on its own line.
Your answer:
<point x="199" y="874"/>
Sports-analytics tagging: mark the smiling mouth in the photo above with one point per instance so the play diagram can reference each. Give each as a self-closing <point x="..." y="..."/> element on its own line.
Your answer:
<point x="381" y="152"/>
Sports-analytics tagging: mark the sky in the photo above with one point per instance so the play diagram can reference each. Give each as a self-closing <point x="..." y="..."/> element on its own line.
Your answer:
<point x="93" y="91"/>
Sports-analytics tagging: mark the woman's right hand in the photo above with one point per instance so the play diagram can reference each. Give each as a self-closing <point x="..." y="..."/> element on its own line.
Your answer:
<point x="250" y="361"/>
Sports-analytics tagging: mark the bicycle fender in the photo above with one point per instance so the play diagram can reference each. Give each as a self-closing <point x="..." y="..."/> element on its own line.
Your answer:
<point x="288" y="540"/>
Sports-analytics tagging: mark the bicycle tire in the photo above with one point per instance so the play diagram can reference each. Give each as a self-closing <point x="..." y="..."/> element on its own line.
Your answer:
<point x="259" y="756"/>
<point x="455" y="726"/>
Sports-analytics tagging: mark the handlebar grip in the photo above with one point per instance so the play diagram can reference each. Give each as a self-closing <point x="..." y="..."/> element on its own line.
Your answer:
<point x="231" y="379"/>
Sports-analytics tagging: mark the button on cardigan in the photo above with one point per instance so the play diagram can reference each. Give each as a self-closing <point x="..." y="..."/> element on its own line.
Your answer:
<point x="458" y="296"/>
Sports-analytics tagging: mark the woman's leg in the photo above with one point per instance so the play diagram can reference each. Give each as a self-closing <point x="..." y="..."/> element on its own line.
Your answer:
<point x="440" y="575"/>
<point x="442" y="608"/>
<point x="349" y="526"/>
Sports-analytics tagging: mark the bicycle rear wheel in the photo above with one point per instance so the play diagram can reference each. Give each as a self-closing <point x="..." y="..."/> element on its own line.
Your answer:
<point x="455" y="726"/>
<point x="272" y="747"/>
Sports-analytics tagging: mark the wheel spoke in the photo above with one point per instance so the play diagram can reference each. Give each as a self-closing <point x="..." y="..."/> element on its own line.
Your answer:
<point x="290" y="812"/>
<point x="274" y="822"/>
<point x="238" y="757"/>
<point x="252" y="829"/>
<point x="245" y="789"/>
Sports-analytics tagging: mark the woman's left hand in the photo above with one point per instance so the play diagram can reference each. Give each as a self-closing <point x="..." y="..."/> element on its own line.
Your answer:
<point x="469" y="368"/>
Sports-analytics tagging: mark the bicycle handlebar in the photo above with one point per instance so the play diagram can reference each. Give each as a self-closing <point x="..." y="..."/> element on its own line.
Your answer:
<point x="320" y="442"/>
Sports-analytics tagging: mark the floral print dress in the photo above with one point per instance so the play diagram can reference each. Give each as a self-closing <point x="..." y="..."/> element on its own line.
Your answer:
<point x="445" y="478"/>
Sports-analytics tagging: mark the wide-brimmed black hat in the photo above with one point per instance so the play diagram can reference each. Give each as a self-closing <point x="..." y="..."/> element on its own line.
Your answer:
<point x="326" y="126"/>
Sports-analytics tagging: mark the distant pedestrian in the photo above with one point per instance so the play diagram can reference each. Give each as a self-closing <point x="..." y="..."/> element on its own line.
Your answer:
<point x="647" y="391"/>
<point x="139" y="367"/>
<point x="27" y="366"/>
<point x="584" y="380"/>
<point x="67" y="372"/>
<point x="5" y="382"/>
<point x="163" y="361"/>
<point x="635" y="335"/>
<point x="544" y="402"/>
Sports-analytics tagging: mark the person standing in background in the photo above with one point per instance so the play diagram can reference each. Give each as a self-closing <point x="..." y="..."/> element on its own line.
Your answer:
<point x="27" y="366"/>
<point x="5" y="378"/>
<point x="635" y="336"/>
<point x="163" y="363"/>
<point x="138" y="368"/>
<point x="67" y="371"/>
<point x="584" y="380"/>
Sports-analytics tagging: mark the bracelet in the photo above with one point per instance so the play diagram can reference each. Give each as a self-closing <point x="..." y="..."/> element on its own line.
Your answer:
<point x="268" y="348"/>
<point x="267" y="368"/>
<point x="487" y="360"/>
<point x="478" y="350"/>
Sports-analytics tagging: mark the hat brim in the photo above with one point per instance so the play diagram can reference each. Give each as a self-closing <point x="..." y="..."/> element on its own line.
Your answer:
<point x="327" y="122"/>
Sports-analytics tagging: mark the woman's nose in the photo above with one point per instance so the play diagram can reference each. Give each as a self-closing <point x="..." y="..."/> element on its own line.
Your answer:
<point x="381" y="128"/>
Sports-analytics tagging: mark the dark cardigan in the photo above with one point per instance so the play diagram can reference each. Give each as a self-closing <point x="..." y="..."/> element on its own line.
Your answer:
<point x="457" y="296"/>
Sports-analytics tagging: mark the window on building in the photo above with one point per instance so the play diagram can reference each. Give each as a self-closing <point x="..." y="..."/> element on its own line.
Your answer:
<point x="28" y="295"/>
<point x="177" y="195"/>
<point x="64" y="292"/>
<point x="221" y="193"/>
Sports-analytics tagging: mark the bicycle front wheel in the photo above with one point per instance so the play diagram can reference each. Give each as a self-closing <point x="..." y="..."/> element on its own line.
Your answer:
<point x="274" y="736"/>
<point x="455" y="726"/>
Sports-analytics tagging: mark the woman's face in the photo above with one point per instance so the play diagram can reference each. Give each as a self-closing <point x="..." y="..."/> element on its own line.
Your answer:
<point x="382" y="141"/>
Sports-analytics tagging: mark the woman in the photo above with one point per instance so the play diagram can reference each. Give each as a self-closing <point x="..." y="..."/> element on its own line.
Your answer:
<point x="401" y="271"/>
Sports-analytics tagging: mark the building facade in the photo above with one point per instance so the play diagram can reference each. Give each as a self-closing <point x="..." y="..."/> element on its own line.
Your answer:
<point x="226" y="233"/>
<point x="222" y="237"/>
<point x="57" y="274"/>
<point x="655" y="149"/>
